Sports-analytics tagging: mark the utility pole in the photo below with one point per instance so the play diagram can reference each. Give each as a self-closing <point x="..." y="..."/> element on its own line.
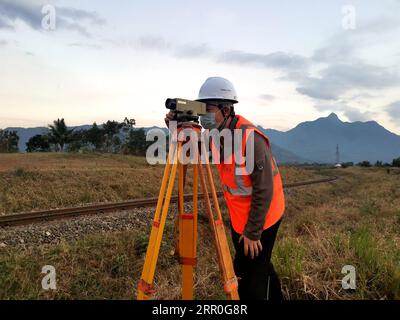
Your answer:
<point x="337" y="154"/>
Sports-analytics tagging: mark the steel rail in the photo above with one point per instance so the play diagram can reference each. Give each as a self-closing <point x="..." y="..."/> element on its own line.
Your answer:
<point x="57" y="214"/>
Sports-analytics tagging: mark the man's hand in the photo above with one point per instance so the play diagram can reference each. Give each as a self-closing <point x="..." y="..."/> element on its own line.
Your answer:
<point x="168" y="117"/>
<point x="254" y="247"/>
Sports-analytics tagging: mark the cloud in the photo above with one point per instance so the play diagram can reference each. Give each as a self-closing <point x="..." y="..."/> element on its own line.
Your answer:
<point x="336" y="68"/>
<point x="339" y="71"/>
<point x="393" y="110"/>
<point x="337" y="79"/>
<point x="275" y="60"/>
<point x="78" y="14"/>
<point x="353" y="114"/>
<point x="30" y="12"/>
<point x="343" y="46"/>
<point x="267" y="97"/>
<point x="340" y="68"/>
<point x="155" y="43"/>
<point x="379" y="26"/>
<point x="85" y="45"/>
<point x="13" y="10"/>
<point x="159" y="44"/>
<point x="3" y="43"/>
<point x="4" y="24"/>
<point x="287" y="62"/>
<point x="193" y="51"/>
<point x="338" y="51"/>
<point x="293" y="66"/>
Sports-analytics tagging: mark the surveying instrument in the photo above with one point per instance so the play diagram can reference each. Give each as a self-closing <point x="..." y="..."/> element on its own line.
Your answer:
<point x="187" y="113"/>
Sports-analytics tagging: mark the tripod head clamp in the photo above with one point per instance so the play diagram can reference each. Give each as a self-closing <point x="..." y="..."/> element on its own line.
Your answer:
<point x="183" y="130"/>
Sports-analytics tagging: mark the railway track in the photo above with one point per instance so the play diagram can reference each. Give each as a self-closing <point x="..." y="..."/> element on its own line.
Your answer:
<point x="63" y="213"/>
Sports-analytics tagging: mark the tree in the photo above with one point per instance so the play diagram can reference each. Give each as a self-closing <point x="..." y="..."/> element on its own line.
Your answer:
<point x="8" y="141"/>
<point x="116" y="143"/>
<point x="95" y="136"/>
<point x="128" y="124"/>
<point x="77" y="140"/>
<point x="378" y="164"/>
<point x="347" y="164"/>
<point x="396" y="162"/>
<point x="136" y="142"/>
<point x="59" y="133"/>
<point x="111" y="128"/>
<point x="364" y="164"/>
<point x="38" y="143"/>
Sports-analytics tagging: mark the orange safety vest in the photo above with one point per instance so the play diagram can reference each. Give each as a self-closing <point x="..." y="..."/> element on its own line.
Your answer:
<point x="238" y="188"/>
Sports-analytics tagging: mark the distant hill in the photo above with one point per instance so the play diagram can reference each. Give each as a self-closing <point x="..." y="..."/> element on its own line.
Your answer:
<point x="310" y="141"/>
<point x="26" y="133"/>
<point x="282" y="155"/>
<point x="316" y="140"/>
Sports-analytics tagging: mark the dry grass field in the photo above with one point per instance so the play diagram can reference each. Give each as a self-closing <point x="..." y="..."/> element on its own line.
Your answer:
<point x="353" y="221"/>
<point x="47" y="180"/>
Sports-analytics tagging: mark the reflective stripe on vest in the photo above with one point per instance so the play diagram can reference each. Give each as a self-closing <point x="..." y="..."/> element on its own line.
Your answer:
<point x="273" y="161"/>
<point x="241" y="189"/>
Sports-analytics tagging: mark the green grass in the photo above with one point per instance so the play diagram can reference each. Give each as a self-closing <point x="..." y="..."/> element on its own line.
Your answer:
<point x="288" y="258"/>
<point x="84" y="269"/>
<point x="377" y="263"/>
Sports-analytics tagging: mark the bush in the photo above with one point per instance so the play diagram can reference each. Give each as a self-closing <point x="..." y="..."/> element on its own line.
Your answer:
<point x="379" y="164"/>
<point x="19" y="172"/>
<point x="347" y="164"/>
<point x="364" y="164"/>
<point x="38" y="143"/>
<point x="8" y="141"/>
<point x="396" y="162"/>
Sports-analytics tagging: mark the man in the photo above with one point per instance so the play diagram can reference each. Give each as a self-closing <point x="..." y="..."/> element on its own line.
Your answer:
<point x="254" y="199"/>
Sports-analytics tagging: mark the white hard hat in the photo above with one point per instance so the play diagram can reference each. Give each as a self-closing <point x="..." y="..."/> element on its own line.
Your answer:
<point x="217" y="88"/>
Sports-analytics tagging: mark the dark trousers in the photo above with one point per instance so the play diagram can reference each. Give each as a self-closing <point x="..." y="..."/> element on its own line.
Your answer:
<point x="258" y="279"/>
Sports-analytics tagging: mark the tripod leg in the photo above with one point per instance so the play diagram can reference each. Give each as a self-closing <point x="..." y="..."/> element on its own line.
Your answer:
<point x="195" y="205"/>
<point x="187" y="257"/>
<point x="188" y="243"/>
<point x="177" y="224"/>
<point x="224" y="255"/>
<point x="146" y="281"/>
<point x="210" y="213"/>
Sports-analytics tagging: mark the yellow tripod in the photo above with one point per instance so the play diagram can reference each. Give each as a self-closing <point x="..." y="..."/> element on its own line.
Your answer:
<point x="187" y="224"/>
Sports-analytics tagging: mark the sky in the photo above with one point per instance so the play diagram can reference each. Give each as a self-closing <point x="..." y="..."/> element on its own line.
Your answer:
<point x="290" y="61"/>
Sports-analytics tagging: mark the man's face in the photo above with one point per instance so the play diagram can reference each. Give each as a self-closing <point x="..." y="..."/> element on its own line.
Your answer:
<point x="216" y="115"/>
<point x="213" y="107"/>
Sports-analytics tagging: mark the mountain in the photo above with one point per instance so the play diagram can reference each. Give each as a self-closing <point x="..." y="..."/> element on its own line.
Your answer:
<point x="316" y="140"/>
